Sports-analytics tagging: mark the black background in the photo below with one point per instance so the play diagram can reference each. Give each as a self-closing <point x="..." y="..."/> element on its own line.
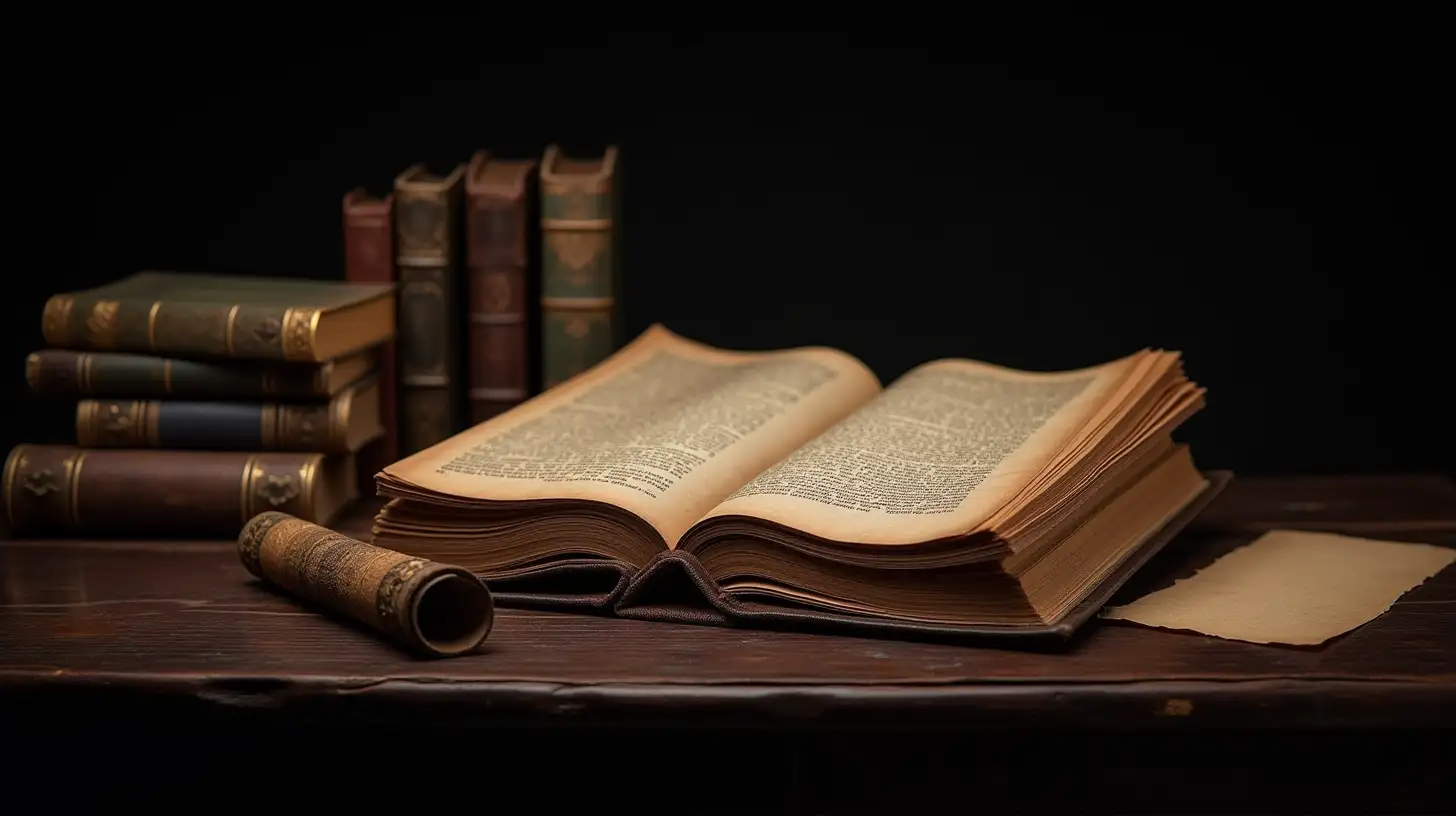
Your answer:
<point x="1045" y="193"/>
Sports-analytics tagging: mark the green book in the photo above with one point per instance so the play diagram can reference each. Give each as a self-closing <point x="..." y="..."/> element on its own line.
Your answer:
<point x="579" y="269"/>
<point x="225" y="316"/>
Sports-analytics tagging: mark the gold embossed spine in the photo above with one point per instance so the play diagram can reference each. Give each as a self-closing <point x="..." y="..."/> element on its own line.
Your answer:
<point x="56" y="320"/>
<point x="103" y="423"/>
<point x="280" y="483"/>
<point x="431" y="609"/>
<point x="40" y="488"/>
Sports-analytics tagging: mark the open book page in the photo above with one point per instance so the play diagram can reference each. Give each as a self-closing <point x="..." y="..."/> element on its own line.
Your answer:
<point x="666" y="428"/>
<point x="935" y="455"/>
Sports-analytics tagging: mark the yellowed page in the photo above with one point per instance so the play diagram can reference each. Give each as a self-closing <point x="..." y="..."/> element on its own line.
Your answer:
<point x="935" y="455"/>
<point x="1291" y="587"/>
<point x="665" y="428"/>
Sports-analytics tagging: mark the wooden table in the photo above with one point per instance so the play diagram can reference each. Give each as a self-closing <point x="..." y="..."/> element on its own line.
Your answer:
<point x="175" y="641"/>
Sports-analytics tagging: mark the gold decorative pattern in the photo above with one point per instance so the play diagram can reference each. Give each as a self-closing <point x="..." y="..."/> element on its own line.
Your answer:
<point x="250" y="543"/>
<point x="304" y="427"/>
<point x="32" y="371"/>
<point x="577" y="250"/>
<point x="115" y="423"/>
<point x="256" y="332"/>
<point x="40" y="488"/>
<point x="40" y="483"/>
<point x="289" y="488"/>
<point x="388" y="599"/>
<point x="56" y="321"/>
<point x="299" y="328"/>
<point x="101" y="324"/>
<point x="277" y="489"/>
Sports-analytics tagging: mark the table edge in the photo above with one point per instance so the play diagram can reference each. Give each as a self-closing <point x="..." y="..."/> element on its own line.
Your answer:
<point x="1268" y="702"/>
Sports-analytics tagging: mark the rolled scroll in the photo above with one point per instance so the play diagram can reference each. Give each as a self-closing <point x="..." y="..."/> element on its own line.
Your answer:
<point x="432" y="609"/>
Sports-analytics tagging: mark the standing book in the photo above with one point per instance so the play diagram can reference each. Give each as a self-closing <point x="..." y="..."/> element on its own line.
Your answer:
<point x="682" y="482"/>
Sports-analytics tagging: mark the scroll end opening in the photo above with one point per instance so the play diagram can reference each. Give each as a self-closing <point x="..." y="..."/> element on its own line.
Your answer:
<point x="453" y="614"/>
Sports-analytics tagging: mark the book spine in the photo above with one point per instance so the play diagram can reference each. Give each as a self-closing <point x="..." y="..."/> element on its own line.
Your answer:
<point x="86" y="322"/>
<point x="498" y="240"/>
<point x="369" y="258"/>
<point x="578" y="275"/>
<point x="183" y="425"/>
<point x="56" y="371"/>
<point x="426" y="230"/>
<point x="60" y="489"/>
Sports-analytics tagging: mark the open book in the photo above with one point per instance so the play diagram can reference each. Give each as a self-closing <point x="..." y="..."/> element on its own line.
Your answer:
<point x="677" y="481"/>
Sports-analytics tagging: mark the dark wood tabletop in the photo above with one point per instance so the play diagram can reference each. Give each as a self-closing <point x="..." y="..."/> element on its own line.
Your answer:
<point x="98" y="628"/>
<point x="184" y="620"/>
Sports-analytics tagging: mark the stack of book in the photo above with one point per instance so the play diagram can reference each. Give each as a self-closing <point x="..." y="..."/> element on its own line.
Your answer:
<point x="202" y="400"/>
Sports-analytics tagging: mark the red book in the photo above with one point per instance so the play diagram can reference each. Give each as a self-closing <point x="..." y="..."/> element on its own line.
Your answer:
<point x="500" y="204"/>
<point x="369" y="258"/>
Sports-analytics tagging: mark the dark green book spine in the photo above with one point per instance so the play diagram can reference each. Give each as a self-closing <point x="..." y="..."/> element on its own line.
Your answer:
<point x="87" y="321"/>
<point x="186" y="425"/>
<point x="578" y="264"/>
<point x="431" y="309"/>
<point x="119" y="374"/>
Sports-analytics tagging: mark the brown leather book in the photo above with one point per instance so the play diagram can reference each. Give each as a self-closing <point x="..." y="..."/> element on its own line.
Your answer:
<point x="63" y="490"/>
<point x="431" y="309"/>
<point x="344" y="424"/>
<point x="499" y="239"/>
<point x="235" y="317"/>
<point x="681" y="482"/>
<point x="579" y="263"/>
<point x="369" y="258"/>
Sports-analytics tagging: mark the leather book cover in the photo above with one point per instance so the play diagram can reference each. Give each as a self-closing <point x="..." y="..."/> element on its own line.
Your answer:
<point x="579" y="263"/>
<point x="369" y="258"/>
<point x="235" y="317"/>
<point x="500" y="215"/>
<point x="342" y="425"/>
<point x="674" y="588"/>
<point x="431" y="310"/>
<point x="119" y="374"/>
<point x="52" y="490"/>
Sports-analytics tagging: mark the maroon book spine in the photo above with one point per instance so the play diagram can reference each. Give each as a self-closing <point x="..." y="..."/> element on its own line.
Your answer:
<point x="500" y="204"/>
<point x="369" y="258"/>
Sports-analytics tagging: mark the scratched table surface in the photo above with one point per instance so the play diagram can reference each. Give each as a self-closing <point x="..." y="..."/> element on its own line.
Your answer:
<point x="182" y="623"/>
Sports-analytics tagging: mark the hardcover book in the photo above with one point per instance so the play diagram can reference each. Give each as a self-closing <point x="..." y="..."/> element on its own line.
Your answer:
<point x="369" y="258"/>
<point x="229" y="316"/>
<point x="431" y="311"/>
<point x="63" y="490"/>
<point x="344" y="424"/>
<point x="503" y="289"/>
<point x="788" y="488"/>
<point x="579" y="263"/>
<point x="119" y="374"/>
